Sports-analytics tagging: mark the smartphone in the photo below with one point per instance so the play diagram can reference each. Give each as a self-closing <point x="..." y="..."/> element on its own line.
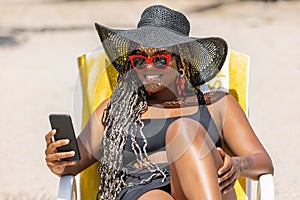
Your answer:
<point x="64" y="130"/>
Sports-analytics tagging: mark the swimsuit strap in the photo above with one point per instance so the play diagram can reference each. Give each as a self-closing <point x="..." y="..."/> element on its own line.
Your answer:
<point x="207" y="121"/>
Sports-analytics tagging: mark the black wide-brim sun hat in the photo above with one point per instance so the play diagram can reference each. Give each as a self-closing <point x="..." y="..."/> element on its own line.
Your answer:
<point x="162" y="27"/>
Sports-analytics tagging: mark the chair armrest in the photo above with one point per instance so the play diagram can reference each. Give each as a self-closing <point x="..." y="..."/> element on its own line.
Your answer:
<point x="265" y="188"/>
<point x="67" y="188"/>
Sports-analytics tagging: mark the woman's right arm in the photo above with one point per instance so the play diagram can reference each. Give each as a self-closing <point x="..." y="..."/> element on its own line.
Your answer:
<point x="88" y="141"/>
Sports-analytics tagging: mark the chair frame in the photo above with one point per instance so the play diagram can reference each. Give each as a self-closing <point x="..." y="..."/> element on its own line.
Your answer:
<point x="69" y="190"/>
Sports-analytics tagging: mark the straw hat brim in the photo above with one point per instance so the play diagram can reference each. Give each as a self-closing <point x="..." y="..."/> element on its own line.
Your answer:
<point x="207" y="55"/>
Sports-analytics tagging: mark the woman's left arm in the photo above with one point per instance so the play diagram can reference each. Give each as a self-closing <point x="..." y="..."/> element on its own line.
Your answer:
<point x="250" y="157"/>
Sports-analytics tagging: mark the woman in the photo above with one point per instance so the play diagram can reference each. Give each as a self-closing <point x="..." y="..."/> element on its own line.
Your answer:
<point x="158" y="136"/>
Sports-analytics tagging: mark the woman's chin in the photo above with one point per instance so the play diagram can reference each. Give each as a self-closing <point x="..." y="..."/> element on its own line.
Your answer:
<point x="153" y="87"/>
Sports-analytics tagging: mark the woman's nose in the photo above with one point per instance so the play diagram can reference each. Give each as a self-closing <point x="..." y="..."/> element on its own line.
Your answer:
<point x="149" y="65"/>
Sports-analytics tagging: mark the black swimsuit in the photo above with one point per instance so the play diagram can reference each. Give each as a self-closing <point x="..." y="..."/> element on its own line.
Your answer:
<point x="155" y="131"/>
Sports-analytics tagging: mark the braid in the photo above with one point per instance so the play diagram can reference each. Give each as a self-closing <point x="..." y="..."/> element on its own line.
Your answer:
<point x="122" y="119"/>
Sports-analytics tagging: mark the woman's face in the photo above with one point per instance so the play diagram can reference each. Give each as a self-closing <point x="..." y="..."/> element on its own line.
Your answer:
<point x="156" y="68"/>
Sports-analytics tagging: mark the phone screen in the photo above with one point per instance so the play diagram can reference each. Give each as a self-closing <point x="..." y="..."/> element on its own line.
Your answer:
<point x="64" y="130"/>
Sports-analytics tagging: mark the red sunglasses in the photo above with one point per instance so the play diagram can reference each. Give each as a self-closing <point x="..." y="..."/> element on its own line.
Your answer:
<point x="159" y="61"/>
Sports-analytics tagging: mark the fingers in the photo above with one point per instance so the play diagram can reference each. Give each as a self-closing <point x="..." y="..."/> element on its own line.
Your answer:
<point x="59" y="156"/>
<point x="51" y="148"/>
<point x="228" y="179"/>
<point x="227" y="187"/>
<point x="52" y="154"/>
<point x="227" y="163"/>
<point x="48" y="137"/>
<point x="56" y="144"/>
<point x="227" y="183"/>
<point x="58" y="167"/>
<point x="55" y="163"/>
<point x="221" y="152"/>
<point x="227" y="173"/>
<point x="53" y="158"/>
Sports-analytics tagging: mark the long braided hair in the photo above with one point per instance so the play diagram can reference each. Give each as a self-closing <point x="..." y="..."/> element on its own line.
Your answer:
<point x="122" y="119"/>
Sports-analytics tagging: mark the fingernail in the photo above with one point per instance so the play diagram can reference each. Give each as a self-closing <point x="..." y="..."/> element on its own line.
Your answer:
<point x="72" y="153"/>
<point x="67" y="141"/>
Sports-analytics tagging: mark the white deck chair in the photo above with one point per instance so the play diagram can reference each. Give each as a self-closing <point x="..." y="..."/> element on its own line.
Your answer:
<point x="98" y="77"/>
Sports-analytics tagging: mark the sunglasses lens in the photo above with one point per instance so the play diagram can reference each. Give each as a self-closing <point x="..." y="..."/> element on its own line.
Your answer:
<point x="160" y="62"/>
<point x="139" y="63"/>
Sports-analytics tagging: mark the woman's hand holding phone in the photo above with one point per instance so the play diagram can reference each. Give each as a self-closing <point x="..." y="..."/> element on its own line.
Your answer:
<point x="53" y="158"/>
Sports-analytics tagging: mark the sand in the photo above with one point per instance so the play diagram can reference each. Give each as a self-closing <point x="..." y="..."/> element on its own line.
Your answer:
<point x="39" y="43"/>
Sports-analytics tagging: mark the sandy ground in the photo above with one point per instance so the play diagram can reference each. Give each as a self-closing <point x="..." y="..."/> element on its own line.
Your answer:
<point x="39" y="43"/>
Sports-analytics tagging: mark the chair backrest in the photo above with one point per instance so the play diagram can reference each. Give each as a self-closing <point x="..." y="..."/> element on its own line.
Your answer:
<point x="98" y="78"/>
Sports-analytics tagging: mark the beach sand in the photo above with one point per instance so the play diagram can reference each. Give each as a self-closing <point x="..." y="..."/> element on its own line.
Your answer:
<point x="39" y="44"/>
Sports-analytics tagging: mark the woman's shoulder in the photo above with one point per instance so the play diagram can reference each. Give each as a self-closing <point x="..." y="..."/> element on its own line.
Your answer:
<point x="102" y="106"/>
